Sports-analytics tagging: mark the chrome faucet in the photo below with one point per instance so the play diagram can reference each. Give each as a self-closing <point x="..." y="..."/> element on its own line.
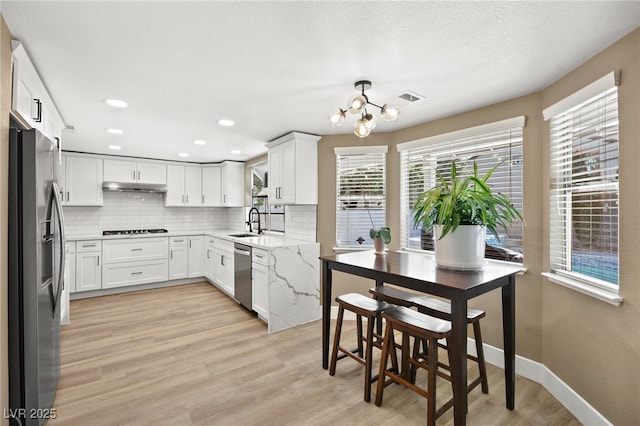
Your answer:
<point x="249" y="222"/>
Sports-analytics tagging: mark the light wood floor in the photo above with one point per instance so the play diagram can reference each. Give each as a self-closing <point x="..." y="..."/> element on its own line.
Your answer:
<point x="190" y="355"/>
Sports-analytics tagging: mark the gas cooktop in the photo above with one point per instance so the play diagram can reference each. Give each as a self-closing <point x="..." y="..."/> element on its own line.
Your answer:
<point x="134" y="231"/>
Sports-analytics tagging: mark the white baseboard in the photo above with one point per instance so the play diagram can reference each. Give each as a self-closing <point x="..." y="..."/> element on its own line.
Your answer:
<point x="534" y="371"/>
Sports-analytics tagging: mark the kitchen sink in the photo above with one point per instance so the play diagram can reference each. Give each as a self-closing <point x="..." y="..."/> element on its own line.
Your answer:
<point x="243" y="235"/>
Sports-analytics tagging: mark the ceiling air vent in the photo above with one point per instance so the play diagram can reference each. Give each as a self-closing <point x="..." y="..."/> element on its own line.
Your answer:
<point x="411" y="97"/>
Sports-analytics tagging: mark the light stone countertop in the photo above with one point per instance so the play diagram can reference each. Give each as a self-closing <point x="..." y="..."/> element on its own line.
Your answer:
<point x="264" y="241"/>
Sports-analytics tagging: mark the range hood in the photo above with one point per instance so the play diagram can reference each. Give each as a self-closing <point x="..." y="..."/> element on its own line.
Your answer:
<point x="133" y="187"/>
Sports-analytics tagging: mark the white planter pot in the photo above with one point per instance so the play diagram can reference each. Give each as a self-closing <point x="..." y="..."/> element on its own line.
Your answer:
<point x="379" y="245"/>
<point x="462" y="249"/>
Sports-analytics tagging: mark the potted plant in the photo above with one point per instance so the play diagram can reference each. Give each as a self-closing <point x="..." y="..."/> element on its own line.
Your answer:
<point x="380" y="236"/>
<point x="460" y="210"/>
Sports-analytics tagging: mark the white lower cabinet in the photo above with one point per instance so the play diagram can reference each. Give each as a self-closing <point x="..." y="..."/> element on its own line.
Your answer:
<point x="178" y="258"/>
<point x="195" y="256"/>
<point x="133" y="261"/>
<point x="134" y="273"/>
<point x="88" y="265"/>
<point x="219" y="264"/>
<point x="210" y="260"/>
<point x="259" y="283"/>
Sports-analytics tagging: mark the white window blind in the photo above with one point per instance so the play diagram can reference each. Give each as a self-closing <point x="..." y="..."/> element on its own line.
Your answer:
<point x="360" y="194"/>
<point x="584" y="191"/>
<point x="487" y="145"/>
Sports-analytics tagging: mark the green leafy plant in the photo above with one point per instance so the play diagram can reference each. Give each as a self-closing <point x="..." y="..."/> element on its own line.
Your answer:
<point x="383" y="232"/>
<point x="460" y="200"/>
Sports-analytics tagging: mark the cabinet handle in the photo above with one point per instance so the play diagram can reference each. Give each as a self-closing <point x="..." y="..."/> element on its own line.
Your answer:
<point x="136" y="273"/>
<point x="189" y="243"/>
<point x="222" y="260"/>
<point x="224" y="199"/>
<point x="136" y="249"/>
<point x="203" y="199"/>
<point x="207" y="254"/>
<point x="68" y="196"/>
<point x="187" y="199"/>
<point x="171" y="253"/>
<point x="138" y="175"/>
<point x="38" y="115"/>
<point x="259" y="256"/>
<point x="178" y="241"/>
<point x="133" y="174"/>
<point x="88" y="245"/>
<point x="182" y="198"/>
<point x="98" y="260"/>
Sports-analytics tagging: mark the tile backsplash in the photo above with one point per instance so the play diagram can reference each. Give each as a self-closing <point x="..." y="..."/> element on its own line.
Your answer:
<point x="129" y="210"/>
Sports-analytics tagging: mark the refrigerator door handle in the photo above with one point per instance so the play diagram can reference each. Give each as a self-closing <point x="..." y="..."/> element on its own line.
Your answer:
<point x="63" y="254"/>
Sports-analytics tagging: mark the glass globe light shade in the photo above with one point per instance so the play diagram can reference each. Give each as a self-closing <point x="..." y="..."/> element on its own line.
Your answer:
<point x="360" y="129"/>
<point x="337" y="117"/>
<point x="389" y="112"/>
<point x="369" y="121"/>
<point x="357" y="103"/>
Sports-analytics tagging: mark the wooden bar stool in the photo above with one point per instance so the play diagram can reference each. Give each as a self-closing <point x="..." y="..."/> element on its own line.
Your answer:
<point x="440" y="309"/>
<point x="421" y="327"/>
<point x="362" y="306"/>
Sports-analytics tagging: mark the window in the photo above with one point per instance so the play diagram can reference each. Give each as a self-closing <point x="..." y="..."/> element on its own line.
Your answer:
<point x="271" y="216"/>
<point x="584" y="185"/>
<point x="360" y="194"/>
<point x="486" y="145"/>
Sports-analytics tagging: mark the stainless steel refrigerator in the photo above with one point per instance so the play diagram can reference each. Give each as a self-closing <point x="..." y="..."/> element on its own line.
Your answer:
<point x="36" y="271"/>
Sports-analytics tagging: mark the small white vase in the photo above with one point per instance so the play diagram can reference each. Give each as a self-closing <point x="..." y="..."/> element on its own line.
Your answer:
<point x="379" y="245"/>
<point x="462" y="249"/>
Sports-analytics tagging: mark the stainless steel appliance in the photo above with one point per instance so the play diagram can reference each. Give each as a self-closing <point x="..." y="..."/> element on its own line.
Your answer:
<point x="36" y="275"/>
<point x="242" y="275"/>
<point x="134" y="231"/>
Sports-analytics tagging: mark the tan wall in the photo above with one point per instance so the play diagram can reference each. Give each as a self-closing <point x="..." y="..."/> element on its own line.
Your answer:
<point x="5" y="106"/>
<point x="595" y="347"/>
<point x="592" y="346"/>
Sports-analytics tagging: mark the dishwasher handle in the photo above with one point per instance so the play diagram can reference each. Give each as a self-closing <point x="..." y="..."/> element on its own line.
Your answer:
<point x="242" y="252"/>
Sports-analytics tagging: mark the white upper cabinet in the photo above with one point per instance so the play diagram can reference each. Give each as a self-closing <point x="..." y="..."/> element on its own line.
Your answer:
<point x="293" y="169"/>
<point x="223" y="185"/>
<point x="211" y="186"/>
<point x="184" y="186"/>
<point x="81" y="181"/>
<point x="134" y="172"/>
<point x="232" y="184"/>
<point x="31" y="103"/>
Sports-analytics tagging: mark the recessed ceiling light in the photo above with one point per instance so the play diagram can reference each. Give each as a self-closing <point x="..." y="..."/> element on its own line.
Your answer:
<point x="115" y="147"/>
<point x="115" y="131"/>
<point x="183" y="154"/>
<point x="116" y="103"/>
<point x="235" y="151"/>
<point x="199" y="142"/>
<point x="225" y="122"/>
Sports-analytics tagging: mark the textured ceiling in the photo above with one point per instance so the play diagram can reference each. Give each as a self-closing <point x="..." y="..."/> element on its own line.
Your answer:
<point x="274" y="67"/>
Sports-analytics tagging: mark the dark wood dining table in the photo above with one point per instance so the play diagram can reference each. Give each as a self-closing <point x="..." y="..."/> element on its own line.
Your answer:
<point x="417" y="271"/>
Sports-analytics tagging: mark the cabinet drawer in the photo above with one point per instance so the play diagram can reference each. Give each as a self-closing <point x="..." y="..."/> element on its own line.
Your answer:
<point x="133" y="273"/>
<point x="178" y="241"/>
<point x="85" y="246"/>
<point x="223" y="244"/>
<point x="260" y="256"/>
<point x="134" y="249"/>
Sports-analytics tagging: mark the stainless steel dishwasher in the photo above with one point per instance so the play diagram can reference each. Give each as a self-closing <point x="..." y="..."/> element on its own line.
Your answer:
<point x="242" y="274"/>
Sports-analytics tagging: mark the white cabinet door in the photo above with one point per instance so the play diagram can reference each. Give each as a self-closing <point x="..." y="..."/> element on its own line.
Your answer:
<point x="210" y="262"/>
<point x="275" y="173"/>
<point x="175" y="186"/>
<point x="83" y="180"/>
<point x="88" y="271"/>
<point x="196" y="267"/>
<point x="119" y="171"/>
<point x="287" y="193"/>
<point x="211" y="186"/>
<point x="232" y="184"/>
<point x="151" y="173"/>
<point x="259" y="290"/>
<point x="193" y="186"/>
<point x="224" y="270"/>
<point x="70" y="268"/>
<point x="178" y="262"/>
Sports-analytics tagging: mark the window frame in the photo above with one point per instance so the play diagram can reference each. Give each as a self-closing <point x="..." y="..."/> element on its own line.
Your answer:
<point x="375" y="150"/>
<point x="457" y="141"/>
<point x="562" y="267"/>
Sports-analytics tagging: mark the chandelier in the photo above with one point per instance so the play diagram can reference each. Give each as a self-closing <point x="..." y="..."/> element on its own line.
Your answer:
<point x="358" y="105"/>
